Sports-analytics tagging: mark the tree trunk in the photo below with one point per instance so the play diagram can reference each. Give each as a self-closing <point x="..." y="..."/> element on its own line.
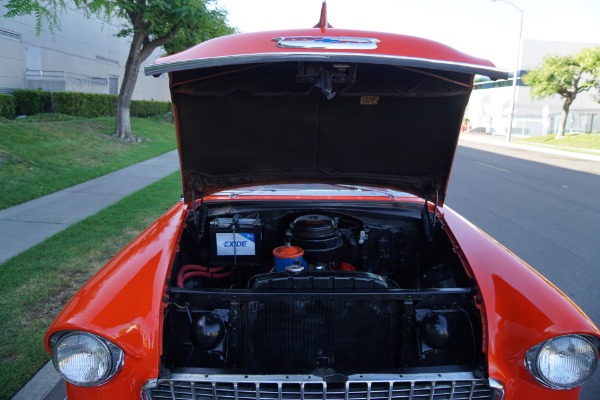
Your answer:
<point x="132" y="68"/>
<point x="563" y="119"/>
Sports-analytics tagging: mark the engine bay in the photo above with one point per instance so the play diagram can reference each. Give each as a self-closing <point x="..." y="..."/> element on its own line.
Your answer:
<point x="318" y="289"/>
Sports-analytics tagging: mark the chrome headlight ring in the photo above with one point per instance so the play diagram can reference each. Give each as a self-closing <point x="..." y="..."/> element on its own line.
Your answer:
<point x="563" y="362"/>
<point x="85" y="359"/>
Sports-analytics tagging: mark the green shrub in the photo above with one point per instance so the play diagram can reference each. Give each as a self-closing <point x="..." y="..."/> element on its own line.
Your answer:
<point x="87" y="105"/>
<point x="145" y="108"/>
<point x="7" y="106"/>
<point x="31" y="102"/>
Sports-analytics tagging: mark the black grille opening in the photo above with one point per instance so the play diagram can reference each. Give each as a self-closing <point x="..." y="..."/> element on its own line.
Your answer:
<point x="266" y="332"/>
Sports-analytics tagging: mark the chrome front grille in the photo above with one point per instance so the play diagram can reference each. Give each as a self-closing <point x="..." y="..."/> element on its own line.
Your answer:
<point x="359" y="387"/>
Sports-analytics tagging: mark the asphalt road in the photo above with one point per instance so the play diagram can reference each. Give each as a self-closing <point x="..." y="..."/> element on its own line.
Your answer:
<point x="548" y="215"/>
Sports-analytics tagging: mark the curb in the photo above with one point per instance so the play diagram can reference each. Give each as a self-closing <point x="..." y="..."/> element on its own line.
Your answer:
<point x="46" y="384"/>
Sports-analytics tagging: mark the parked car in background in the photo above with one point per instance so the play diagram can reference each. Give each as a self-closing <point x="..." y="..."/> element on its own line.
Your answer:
<point x="482" y="130"/>
<point x="312" y="256"/>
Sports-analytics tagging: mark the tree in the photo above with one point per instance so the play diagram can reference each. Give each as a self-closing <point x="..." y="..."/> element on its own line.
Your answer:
<point x="566" y="76"/>
<point x="172" y="24"/>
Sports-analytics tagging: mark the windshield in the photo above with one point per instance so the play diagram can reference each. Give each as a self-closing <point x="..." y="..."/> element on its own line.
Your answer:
<point x="313" y="189"/>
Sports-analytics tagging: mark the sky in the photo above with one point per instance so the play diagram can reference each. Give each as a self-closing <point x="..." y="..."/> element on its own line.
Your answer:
<point x="482" y="28"/>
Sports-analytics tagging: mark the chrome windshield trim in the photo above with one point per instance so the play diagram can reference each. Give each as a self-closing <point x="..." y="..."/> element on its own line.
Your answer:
<point x="329" y="190"/>
<point x="326" y="42"/>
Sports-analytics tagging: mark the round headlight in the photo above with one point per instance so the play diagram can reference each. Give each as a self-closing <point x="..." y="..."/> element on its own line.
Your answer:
<point x="563" y="362"/>
<point x="84" y="359"/>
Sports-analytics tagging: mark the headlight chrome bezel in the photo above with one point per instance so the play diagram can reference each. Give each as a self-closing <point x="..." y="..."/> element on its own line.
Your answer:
<point x="532" y="358"/>
<point x="115" y="356"/>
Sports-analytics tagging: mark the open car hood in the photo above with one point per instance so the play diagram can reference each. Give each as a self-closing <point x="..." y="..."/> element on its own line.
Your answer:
<point x="319" y="105"/>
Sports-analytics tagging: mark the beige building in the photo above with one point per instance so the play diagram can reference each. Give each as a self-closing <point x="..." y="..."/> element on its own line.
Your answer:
<point x="83" y="56"/>
<point x="490" y="104"/>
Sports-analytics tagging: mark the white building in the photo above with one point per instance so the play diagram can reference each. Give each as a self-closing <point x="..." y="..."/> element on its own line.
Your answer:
<point x="83" y="56"/>
<point x="490" y="105"/>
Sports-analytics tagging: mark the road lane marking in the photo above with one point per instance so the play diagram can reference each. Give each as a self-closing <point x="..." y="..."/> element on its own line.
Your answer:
<point x="491" y="166"/>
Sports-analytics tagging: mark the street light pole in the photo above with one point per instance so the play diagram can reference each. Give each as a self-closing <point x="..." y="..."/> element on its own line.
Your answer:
<point x="516" y="73"/>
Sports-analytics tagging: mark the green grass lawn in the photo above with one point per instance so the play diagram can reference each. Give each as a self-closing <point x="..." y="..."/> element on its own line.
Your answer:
<point x="39" y="158"/>
<point x="36" y="284"/>
<point x="585" y="143"/>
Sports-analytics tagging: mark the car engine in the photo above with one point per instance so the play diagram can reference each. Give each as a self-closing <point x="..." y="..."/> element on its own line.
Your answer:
<point x="325" y="289"/>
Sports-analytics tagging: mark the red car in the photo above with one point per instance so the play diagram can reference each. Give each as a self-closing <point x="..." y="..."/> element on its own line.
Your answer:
<point x="311" y="256"/>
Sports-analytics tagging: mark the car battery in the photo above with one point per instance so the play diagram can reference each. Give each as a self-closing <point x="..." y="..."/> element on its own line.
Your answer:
<point x="236" y="240"/>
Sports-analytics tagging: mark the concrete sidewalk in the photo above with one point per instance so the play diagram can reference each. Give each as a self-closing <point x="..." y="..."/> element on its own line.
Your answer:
<point x="28" y="224"/>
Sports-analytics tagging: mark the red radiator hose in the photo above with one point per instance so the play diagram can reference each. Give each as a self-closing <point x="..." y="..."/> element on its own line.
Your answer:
<point x="204" y="275"/>
<point x="195" y="267"/>
<point x="192" y="270"/>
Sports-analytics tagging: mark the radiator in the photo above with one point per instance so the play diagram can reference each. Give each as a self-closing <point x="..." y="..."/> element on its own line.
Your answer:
<point x="304" y="334"/>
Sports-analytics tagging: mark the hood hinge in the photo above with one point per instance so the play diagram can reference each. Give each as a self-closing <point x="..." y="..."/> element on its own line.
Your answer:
<point x="429" y="220"/>
<point x="199" y="213"/>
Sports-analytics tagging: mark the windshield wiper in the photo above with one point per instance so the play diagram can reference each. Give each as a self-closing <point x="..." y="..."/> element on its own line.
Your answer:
<point x="234" y="195"/>
<point x="366" y="189"/>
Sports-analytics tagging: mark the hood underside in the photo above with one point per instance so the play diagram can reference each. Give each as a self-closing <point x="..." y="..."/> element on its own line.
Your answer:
<point x="334" y="117"/>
